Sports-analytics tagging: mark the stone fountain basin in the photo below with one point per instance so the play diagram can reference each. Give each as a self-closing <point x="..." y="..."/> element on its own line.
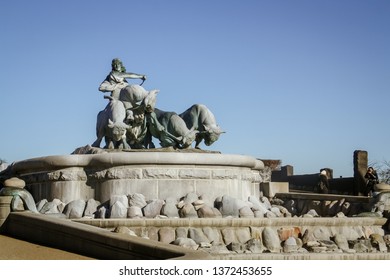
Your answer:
<point x="154" y="174"/>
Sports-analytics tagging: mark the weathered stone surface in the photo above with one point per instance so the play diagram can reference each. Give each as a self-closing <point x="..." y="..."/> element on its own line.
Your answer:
<point x="243" y="234"/>
<point x="197" y="235"/>
<point x="134" y="212"/>
<point x="186" y="243"/>
<point x="166" y="235"/>
<point x="378" y="242"/>
<point x="283" y="210"/>
<point x="15" y="183"/>
<point x="153" y="208"/>
<point x="229" y="206"/>
<point x="352" y="233"/>
<point x="386" y="238"/>
<point x="207" y="200"/>
<point x="124" y="230"/>
<point x="340" y="215"/>
<point x="190" y="197"/>
<point x="317" y="249"/>
<point x="256" y="232"/>
<point x="137" y="199"/>
<point x="254" y="246"/>
<point x="101" y="213"/>
<point x="312" y="244"/>
<point x="122" y="198"/>
<point x="169" y="209"/>
<point x="329" y="244"/>
<point x="369" y="214"/>
<point x="362" y="246"/>
<point x="285" y="233"/>
<point x="276" y="211"/>
<point x="218" y="249"/>
<point x="224" y="174"/>
<point x="188" y="211"/>
<point x="322" y="233"/>
<point x="91" y="208"/>
<point x="205" y="245"/>
<point x="206" y="212"/>
<point x="217" y="213"/>
<point x="160" y="173"/>
<point x="270" y="214"/>
<point x="194" y="174"/>
<point x="236" y="247"/>
<point x="198" y="204"/>
<point x="271" y="240"/>
<point x="256" y="204"/>
<point x="246" y="212"/>
<point x="308" y="236"/>
<point x="17" y="204"/>
<point x="40" y="204"/>
<point x="382" y="187"/>
<point x="290" y="245"/>
<point x="152" y="233"/>
<point x="118" y="210"/>
<point x="123" y="173"/>
<point x="259" y="213"/>
<point x="266" y="202"/>
<point x="213" y="235"/>
<point x="75" y="209"/>
<point x="342" y="242"/>
<point x="181" y="232"/>
<point x="70" y="174"/>
<point x="50" y="208"/>
<point x="229" y="235"/>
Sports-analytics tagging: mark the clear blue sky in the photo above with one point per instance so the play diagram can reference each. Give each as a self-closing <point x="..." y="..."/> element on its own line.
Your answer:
<point x="306" y="82"/>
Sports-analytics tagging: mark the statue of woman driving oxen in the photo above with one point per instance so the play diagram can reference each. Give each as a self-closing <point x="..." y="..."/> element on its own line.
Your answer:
<point x="131" y="119"/>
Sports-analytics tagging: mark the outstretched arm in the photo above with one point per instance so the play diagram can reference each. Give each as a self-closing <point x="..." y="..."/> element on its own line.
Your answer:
<point x="131" y="75"/>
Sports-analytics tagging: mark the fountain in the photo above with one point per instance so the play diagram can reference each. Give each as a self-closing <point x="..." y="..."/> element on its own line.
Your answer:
<point x="101" y="201"/>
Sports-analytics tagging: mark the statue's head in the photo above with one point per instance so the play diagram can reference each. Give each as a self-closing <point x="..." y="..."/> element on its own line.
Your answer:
<point x="117" y="65"/>
<point x="212" y="134"/>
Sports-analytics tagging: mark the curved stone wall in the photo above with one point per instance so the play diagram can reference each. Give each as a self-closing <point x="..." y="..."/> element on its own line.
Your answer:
<point x="154" y="174"/>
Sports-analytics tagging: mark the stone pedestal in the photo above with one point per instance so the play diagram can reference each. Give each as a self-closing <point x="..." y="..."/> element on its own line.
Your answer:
<point x="156" y="175"/>
<point x="5" y="208"/>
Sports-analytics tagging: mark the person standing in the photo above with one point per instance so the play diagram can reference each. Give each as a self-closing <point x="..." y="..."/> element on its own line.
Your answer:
<point x="371" y="180"/>
<point x="323" y="183"/>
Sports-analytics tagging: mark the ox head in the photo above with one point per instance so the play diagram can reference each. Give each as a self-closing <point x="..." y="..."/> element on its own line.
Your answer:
<point x="118" y="129"/>
<point x="212" y="134"/>
<point x="149" y="102"/>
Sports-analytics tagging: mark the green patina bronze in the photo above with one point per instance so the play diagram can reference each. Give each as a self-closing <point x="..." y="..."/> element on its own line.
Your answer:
<point x="24" y="195"/>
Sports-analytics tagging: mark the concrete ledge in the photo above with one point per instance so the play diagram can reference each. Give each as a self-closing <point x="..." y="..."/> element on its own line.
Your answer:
<point x="133" y="158"/>
<point x="271" y="188"/>
<point x="157" y="175"/>
<point x="91" y="241"/>
<point x="331" y="197"/>
<point x="86" y="238"/>
<point x="235" y="222"/>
